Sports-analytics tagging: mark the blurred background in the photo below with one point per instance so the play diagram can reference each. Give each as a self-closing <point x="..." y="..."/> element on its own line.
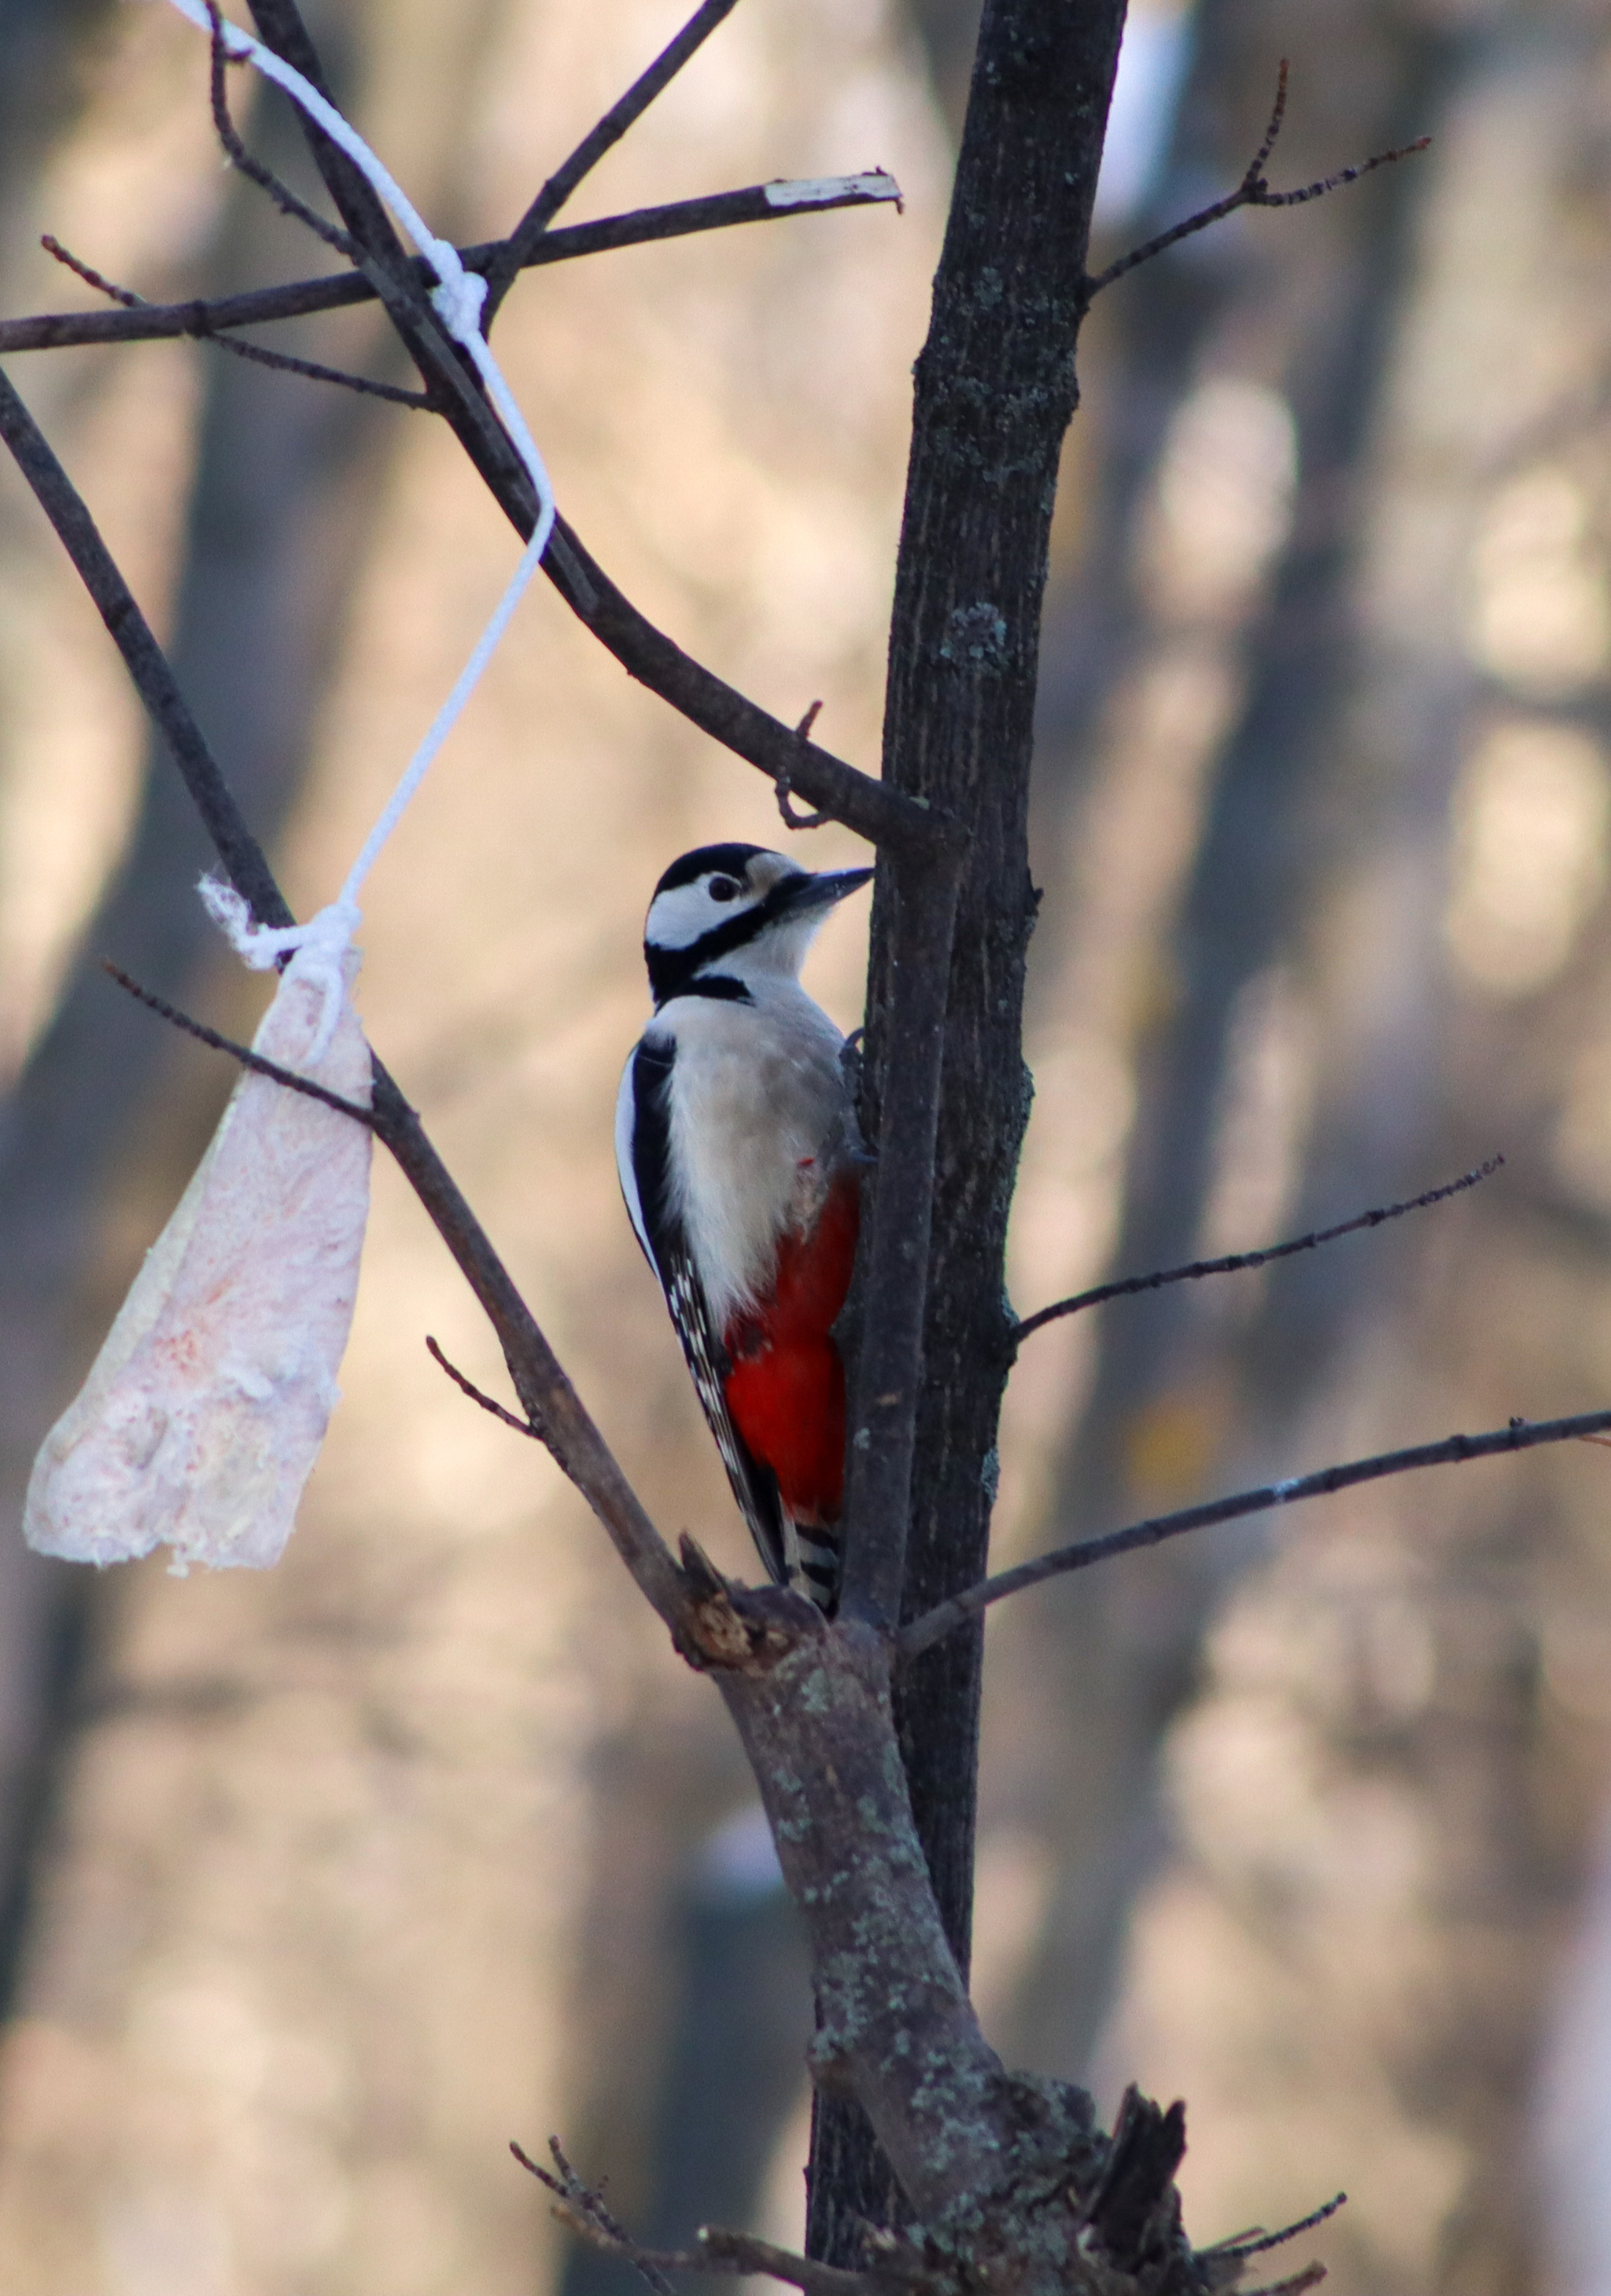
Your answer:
<point x="318" y="1887"/>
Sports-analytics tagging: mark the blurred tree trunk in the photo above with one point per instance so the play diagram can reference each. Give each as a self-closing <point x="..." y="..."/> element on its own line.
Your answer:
<point x="284" y="491"/>
<point x="1303" y="315"/>
<point x="405" y="1823"/>
<point x="1382" y="1802"/>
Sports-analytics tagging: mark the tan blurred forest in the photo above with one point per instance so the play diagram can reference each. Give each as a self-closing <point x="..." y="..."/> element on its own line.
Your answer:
<point x="316" y="1887"/>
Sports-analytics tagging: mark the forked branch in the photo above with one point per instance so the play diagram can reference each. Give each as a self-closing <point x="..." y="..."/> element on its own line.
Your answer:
<point x="288" y="204"/>
<point x="488" y="1403"/>
<point x="204" y="319"/>
<point x="1253" y="192"/>
<point x="545" y="1393"/>
<point x="1520" y="1435"/>
<point x="242" y="1053"/>
<point x="312" y="370"/>
<point x="517" y="249"/>
<point x="875" y="810"/>
<point x="727" y="2255"/>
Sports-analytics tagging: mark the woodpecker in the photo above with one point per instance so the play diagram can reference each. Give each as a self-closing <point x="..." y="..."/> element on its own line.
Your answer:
<point x="736" y="1145"/>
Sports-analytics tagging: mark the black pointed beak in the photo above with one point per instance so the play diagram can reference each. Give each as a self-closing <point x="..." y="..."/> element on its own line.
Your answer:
<point x="822" y="890"/>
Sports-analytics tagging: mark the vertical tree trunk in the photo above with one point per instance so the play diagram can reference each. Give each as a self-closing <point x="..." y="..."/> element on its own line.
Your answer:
<point x="1260" y="856"/>
<point x="994" y="392"/>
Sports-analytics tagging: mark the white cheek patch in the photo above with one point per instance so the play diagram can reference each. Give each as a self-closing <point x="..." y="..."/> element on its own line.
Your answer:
<point x="684" y="914"/>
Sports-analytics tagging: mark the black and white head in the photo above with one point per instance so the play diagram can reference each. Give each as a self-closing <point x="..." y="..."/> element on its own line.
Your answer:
<point x="735" y="914"/>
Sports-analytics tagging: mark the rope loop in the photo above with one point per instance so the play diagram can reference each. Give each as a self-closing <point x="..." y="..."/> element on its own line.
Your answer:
<point x="457" y="302"/>
<point x="318" y="950"/>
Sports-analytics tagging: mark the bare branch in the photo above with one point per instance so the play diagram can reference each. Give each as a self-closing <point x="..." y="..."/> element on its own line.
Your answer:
<point x="738" y="2251"/>
<point x="1520" y="1435"/>
<point x="517" y="248"/>
<point x="584" y="2211"/>
<point x="1252" y="192"/>
<point x="550" y="1401"/>
<point x="1258" y="2241"/>
<point x="313" y="369"/>
<point x="1235" y="1261"/>
<point x="871" y="807"/>
<point x="1311" y="2277"/>
<point x="487" y="1402"/>
<point x="247" y="1058"/>
<point x="730" y="2254"/>
<point x="240" y="157"/>
<point x="48" y="330"/>
<point x="86" y="271"/>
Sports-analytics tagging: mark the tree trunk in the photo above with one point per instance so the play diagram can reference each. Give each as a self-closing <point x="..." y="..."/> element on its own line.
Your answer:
<point x="994" y="392"/>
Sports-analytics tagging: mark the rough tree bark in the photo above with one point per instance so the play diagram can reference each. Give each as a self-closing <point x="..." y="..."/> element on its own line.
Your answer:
<point x="994" y="392"/>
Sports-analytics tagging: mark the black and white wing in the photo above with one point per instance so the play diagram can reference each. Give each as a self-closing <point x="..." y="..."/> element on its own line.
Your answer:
<point x="642" y="1158"/>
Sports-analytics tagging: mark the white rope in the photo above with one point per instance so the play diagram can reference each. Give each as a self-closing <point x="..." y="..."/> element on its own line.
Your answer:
<point x="456" y="299"/>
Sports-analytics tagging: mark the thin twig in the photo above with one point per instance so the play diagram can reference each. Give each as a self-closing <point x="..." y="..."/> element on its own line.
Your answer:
<point x="874" y="809"/>
<point x="487" y="1402"/>
<point x="593" y="2204"/>
<point x="315" y="372"/>
<point x="1252" y="192"/>
<point x="539" y="1379"/>
<point x="1311" y="2277"/>
<point x="1235" y="1261"/>
<point x="206" y="318"/>
<point x="265" y="178"/>
<point x="730" y="2254"/>
<point x="584" y="2212"/>
<point x="243" y="1054"/>
<point x="516" y="249"/>
<point x="1257" y="2244"/>
<point x="1520" y="1435"/>
<point x="313" y="369"/>
<point x="91" y="277"/>
<point x="785" y="787"/>
<point x="742" y="2252"/>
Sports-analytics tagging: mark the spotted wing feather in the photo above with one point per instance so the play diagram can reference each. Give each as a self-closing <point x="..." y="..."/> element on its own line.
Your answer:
<point x="643" y="1154"/>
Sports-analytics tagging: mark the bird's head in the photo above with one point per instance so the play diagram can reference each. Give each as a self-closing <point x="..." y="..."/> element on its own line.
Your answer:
<point x="737" y="913"/>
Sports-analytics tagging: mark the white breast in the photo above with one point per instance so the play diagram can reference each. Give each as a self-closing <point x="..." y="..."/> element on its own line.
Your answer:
<point x="757" y="1095"/>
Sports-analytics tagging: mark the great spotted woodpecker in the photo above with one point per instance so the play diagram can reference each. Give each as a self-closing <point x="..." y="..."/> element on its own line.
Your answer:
<point x="735" y="1143"/>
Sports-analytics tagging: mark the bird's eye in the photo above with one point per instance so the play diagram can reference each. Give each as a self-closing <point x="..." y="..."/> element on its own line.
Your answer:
<point x="724" y="889"/>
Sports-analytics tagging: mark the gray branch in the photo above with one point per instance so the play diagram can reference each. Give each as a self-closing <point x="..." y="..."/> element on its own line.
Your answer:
<point x="773" y="203"/>
<point x="1520" y="1435"/>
